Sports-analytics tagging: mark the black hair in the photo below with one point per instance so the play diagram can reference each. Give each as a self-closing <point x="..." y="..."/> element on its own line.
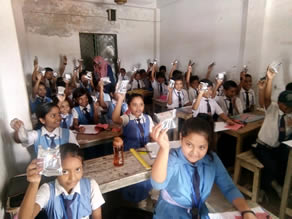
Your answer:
<point x="160" y="75"/>
<point x="42" y="83"/>
<point x="80" y="91"/>
<point x="203" y="125"/>
<point x="60" y="82"/>
<point x="248" y="76"/>
<point x="177" y="74"/>
<point x="289" y="86"/>
<point x="83" y="72"/>
<point x="178" y="77"/>
<point x="210" y="84"/>
<point x="72" y="150"/>
<point x="142" y="71"/>
<point x="122" y="69"/>
<point x="43" y="109"/>
<point x="229" y="84"/>
<point x="194" y="78"/>
<point x="138" y="72"/>
<point x="48" y="69"/>
<point x="131" y="97"/>
<point x="162" y="68"/>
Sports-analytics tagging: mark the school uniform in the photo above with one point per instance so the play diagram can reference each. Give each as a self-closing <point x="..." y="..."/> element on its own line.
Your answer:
<point x="121" y="77"/>
<point x="208" y="106"/>
<point x="49" y="139"/>
<point x="247" y="99"/>
<point x="88" y="87"/>
<point x="228" y="107"/>
<point x="84" y="198"/>
<point x="137" y="84"/>
<point x="269" y="150"/>
<point x="195" y="184"/>
<point x="84" y="114"/>
<point x="37" y="101"/>
<point x="136" y="131"/>
<point x="193" y="93"/>
<point x="159" y="89"/>
<point x="179" y="99"/>
<point x="111" y="105"/>
<point x="67" y="121"/>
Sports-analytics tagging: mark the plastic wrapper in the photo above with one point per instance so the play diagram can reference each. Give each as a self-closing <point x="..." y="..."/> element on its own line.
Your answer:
<point x="106" y="80"/>
<point x="89" y="75"/>
<point x="174" y="62"/>
<point x="51" y="159"/>
<point x="212" y="64"/>
<point x="42" y="71"/>
<point x="61" y="90"/>
<point x="167" y="119"/>
<point x="122" y="86"/>
<point x="171" y="83"/>
<point x="67" y="76"/>
<point x="220" y="76"/>
<point x="204" y="86"/>
<point x="191" y="63"/>
<point x="275" y="67"/>
<point x="55" y="74"/>
<point x="22" y="132"/>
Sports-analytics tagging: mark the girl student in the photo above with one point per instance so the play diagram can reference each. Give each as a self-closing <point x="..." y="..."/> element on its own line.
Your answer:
<point x="49" y="135"/>
<point x="68" y="196"/>
<point x="85" y="111"/>
<point x="137" y="127"/>
<point x="65" y="111"/>
<point x="195" y="169"/>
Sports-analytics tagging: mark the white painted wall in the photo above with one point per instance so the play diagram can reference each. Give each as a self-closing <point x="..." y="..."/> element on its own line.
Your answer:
<point x="52" y="29"/>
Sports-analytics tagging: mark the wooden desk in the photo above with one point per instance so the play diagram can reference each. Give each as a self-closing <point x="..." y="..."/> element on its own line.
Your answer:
<point x="85" y="140"/>
<point x="184" y="112"/>
<point x="158" y="102"/>
<point x="284" y="209"/>
<point x="110" y="178"/>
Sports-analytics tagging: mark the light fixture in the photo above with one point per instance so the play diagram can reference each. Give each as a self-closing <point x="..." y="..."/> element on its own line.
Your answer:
<point x="121" y="2"/>
<point x="111" y="14"/>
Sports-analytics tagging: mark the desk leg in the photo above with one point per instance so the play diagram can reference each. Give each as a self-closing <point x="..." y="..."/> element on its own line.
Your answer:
<point x="238" y="146"/>
<point x="287" y="184"/>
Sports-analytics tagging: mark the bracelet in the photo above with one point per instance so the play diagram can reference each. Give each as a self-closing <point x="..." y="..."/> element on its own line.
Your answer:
<point x="247" y="211"/>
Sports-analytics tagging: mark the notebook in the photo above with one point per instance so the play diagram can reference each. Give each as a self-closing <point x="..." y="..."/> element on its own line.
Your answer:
<point x="248" y="117"/>
<point x="153" y="148"/>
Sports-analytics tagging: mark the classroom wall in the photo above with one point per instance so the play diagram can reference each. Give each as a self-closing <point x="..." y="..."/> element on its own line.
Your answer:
<point x="13" y="101"/>
<point x="51" y="28"/>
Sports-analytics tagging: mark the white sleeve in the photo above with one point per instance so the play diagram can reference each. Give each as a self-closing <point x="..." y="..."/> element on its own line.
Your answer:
<point x="218" y="109"/>
<point x="72" y="138"/>
<point x="96" y="199"/>
<point x="151" y="123"/>
<point x="43" y="195"/>
<point x="186" y="97"/>
<point x="125" y="119"/>
<point x="74" y="113"/>
<point x="239" y="105"/>
<point x="31" y="138"/>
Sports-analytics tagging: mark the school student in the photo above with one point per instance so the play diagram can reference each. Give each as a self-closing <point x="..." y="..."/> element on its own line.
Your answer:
<point x="123" y="75"/>
<point x="177" y="96"/>
<point x="277" y="127"/>
<point x="137" y="82"/>
<point x="192" y="82"/>
<point x="229" y="102"/>
<point x="86" y="82"/>
<point x="206" y="104"/>
<point x="39" y="94"/>
<point x="246" y="93"/>
<point x="69" y="196"/>
<point x="158" y="83"/>
<point x="185" y="176"/>
<point x="85" y="111"/>
<point x="65" y="112"/>
<point x="50" y="135"/>
<point x="137" y="127"/>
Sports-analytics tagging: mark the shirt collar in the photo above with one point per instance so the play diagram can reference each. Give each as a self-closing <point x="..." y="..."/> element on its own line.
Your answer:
<point x="243" y="90"/>
<point x="132" y="117"/>
<point x="60" y="189"/>
<point x="205" y="160"/>
<point x="88" y="107"/>
<point x="55" y="133"/>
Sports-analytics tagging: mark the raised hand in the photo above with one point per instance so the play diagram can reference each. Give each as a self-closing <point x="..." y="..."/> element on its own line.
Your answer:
<point x="160" y="136"/>
<point x="33" y="171"/>
<point x="270" y="74"/>
<point x="36" y="62"/>
<point x="61" y="98"/>
<point x="119" y="96"/>
<point x="262" y="84"/>
<point x="16" y="124"/>
<point x="65" y="60"/>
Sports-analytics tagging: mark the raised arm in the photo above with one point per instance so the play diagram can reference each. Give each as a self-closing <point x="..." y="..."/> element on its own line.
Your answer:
<point x="36" y="85"/>
<point x="210" y="69"/>
<point x="101" y="95"/>
<point x="172" y="70"/>
<point x="218" y="84"/>
<point x="198" y="100"/>
<point x="169" y="97"/>
<point x="262" y="88"/>
<point x="28" y="208"/>
<point x="189" y="72"/>
<point x="35" y="70"/>
<point x="117" y="111"/>
<point x="268" y="91"/>
<point x="63" y="65"/>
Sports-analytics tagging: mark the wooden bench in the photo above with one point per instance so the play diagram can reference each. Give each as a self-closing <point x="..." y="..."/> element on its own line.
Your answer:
<point x="248" y="161"/>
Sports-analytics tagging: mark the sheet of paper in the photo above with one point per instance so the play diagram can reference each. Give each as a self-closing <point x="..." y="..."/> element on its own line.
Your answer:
<point x="153" y="147"/>
<point x="248" y="117"/>
<point x="289" y="143"/>
<point x="220" y="126"/>
<point x="234" y="127"/>
<point x="90" y="129"/>
<point x="236" y="215"/>
<point x="186" y="109"/>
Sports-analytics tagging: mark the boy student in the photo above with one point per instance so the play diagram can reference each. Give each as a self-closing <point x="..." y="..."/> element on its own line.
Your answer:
<point x="229" y="102"/>
<point x="137" y="82"/>
<point x="246" y="93"/>
<point x="177" y="96"/>
<point x="277" y="127"/>
<point x="158" y="83"/>
<point x="192" y="84"/>
<point x="206" y="104"/>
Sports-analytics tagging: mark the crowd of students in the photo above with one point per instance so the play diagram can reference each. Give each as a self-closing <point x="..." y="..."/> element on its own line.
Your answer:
<point x="63" y="102"/>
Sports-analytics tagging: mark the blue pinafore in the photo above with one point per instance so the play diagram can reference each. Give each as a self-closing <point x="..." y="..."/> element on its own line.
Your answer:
<point x="81" y="117"/>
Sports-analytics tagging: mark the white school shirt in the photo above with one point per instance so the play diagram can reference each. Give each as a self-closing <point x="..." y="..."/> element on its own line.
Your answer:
<point x="242" y="96"/>
<point x="175" y="102"/>
<point x="224" y="102"/>
<point x="269" y="132"/>
<point x="193" y="93"/>
<point x="215" y="108"/>
<point x="65" y="116"/>
<point x="43" y="194"/>
<point x="126" y="119"/>
<point x="75" y="113"/>
<point x="156" y="89"/>
<point x="33" y="136"/>
<point x="120" y="78"/>
<point x="135" y="84"/>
